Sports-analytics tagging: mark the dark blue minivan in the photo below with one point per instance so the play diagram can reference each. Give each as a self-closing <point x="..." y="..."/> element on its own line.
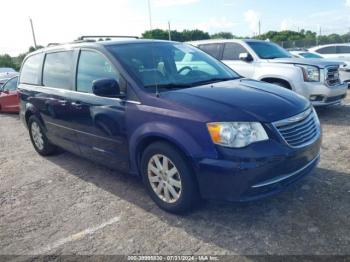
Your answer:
<point x="188" y="125"/>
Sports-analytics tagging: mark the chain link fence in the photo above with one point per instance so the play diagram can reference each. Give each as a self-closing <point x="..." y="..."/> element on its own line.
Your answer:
<point x="314" y="42"/>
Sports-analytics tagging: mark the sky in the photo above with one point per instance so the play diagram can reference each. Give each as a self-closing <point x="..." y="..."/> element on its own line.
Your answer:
<point x="65" y="20"/>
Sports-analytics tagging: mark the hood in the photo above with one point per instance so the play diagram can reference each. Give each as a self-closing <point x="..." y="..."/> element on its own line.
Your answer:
<point x="319" y="62"/>
<point x="240" y="100"/>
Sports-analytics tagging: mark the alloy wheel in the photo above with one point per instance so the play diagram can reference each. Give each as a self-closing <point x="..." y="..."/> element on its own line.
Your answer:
<point x="164" y="178"/>
<point x="37" y="136"/>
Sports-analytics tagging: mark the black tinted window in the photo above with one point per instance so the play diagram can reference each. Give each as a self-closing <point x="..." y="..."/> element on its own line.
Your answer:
<point x="11" y="85"/>
<point x="343" y="50"/>
<point x="232" y="51"/>
<point x="327" y="50"/>
<point x="30" y="70"/>
<point x="212" y="49"/>
<point x="93" y="66"/>
<point x="58" y="70"/>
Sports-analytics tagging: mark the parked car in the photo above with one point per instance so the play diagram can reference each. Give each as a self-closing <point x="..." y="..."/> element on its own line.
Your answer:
<point x="333" y="51"/>
<point x="6" y="73"/>
<point x="315" y="79"/>
<point x="190" y="132"/>
<point x="7" y="70"/>
<point x="344" y="69"/>
<point x="9" y="101"/>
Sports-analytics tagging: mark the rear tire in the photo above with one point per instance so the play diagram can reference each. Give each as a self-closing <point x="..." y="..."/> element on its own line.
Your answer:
<point x="168" y="178"/>
<point x="39" y="140"/>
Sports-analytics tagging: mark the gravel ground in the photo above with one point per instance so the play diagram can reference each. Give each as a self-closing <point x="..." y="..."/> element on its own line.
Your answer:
<point x="67" y="205"/>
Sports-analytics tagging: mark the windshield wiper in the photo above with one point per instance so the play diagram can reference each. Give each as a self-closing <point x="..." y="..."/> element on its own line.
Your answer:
<point x="169" y="86"/>
<point x="213" y="80"/>
<point x="275" y="57"/>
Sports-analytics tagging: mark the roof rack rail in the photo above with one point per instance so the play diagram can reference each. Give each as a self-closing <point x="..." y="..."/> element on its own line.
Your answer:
<point x="85" y="37"/>
<point x="52" y="44"/>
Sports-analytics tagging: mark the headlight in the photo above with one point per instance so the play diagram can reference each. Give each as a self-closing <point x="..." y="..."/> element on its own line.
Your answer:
<point x="236" y="134"/>
<point x="310" y="73"/>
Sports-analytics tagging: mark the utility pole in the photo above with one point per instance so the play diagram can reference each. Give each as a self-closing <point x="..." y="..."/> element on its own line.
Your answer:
<point x="169" y="30"/>
<point x="33" y="33"/>
<point x="150" y="14"/>
<point x="259" y="27"/>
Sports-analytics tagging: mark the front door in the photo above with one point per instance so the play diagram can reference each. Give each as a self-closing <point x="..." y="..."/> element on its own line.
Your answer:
<point x="99" y="121"/>
<point x="231" y="58"/>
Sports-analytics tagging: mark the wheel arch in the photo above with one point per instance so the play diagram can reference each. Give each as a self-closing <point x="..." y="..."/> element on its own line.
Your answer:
<point x="148" y="140"/>
<point x="273" y="79"/>
<point x="166" y="132"/>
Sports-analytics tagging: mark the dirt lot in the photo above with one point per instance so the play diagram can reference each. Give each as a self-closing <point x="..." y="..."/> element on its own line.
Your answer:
<point x="67" y="205"/>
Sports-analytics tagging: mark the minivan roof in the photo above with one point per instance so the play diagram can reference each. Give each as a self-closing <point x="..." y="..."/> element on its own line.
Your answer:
<point x="98" y="44"/>
<point x="213" y="41"/>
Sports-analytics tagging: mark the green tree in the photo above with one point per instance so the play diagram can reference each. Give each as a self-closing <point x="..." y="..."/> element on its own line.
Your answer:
<point x="7" y="61"/>
<point x="156" y="34"/>
<point x="15" y="62"/>
<point x="223" y="35"/>
<point x="185" y="35"/>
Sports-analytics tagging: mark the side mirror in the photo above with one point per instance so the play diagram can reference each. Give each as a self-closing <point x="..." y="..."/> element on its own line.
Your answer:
<point x="246" y="57"/>
<point x="107" y="87"/>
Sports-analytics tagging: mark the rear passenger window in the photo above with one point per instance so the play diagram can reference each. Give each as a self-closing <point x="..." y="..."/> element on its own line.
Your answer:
<point x="212" y="49"/>
<point x="93" y="66"/>
<point x="232" y="51"/>
<point x="30" y="70"/>
<point x="343" y="49"/>
<point x="58" y="70"/>
<point x="327" y="50"/>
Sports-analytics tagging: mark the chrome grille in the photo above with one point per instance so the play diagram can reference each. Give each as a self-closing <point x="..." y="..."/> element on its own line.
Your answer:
<point x="299" y="130"/>
<point x="332" y="76"/>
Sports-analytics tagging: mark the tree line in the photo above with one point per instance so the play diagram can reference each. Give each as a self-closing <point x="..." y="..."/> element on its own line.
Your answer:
<point x="15" y="62"/>
<point x="287" y="39"/>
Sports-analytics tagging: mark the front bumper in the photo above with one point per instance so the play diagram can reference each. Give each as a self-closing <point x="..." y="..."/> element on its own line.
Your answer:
<point x="258" y="171"/>
<point x="324" y="95"/>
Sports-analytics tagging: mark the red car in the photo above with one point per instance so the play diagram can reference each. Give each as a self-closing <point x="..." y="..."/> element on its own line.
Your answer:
<point x="9" y="100"/>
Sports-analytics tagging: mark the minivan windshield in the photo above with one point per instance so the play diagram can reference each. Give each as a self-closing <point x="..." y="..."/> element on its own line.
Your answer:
<point x="267" y="50"/>
<point x="167" y="65"/>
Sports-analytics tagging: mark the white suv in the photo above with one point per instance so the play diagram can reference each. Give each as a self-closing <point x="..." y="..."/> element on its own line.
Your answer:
<point x="316" y="79"/>
<point x="339" y="52"/>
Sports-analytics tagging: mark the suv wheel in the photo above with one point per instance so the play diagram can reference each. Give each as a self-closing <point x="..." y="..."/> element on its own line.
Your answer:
<point x="39" y="140"/>
<point x="168" y="178"/>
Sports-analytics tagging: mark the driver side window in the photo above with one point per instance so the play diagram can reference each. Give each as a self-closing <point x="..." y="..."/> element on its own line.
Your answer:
<point x="232" y="51"/>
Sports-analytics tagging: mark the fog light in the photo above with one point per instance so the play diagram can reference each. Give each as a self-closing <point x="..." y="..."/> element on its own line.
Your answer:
<point x="316" y="98"/>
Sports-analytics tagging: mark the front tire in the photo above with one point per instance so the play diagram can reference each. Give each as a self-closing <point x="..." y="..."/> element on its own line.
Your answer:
<point x="168" y="178"/>
<point x="39" y="140"/>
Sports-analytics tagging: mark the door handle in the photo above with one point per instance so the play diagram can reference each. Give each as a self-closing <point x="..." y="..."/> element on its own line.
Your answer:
<point x="77" y="104"/>
<point x="62" y="102"/>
